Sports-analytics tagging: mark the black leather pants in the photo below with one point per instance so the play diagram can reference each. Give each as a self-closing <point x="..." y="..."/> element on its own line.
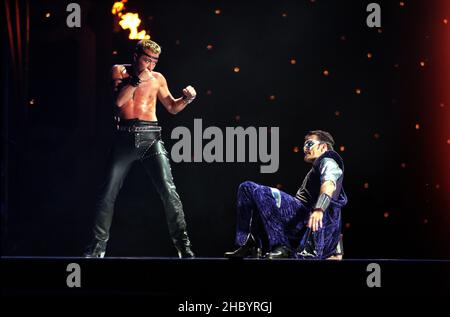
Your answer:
<point x="147" y="148"/>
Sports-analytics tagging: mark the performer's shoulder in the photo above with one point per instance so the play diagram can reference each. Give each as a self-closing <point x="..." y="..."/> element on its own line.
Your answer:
<point x="328" y="161"/>
<point x="329" y="156"/>
<point x="335" y="157"/>
<point x="160" y="77"/>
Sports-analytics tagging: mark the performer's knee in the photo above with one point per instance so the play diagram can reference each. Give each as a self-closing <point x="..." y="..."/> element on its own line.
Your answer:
<point x="247" y="185"/>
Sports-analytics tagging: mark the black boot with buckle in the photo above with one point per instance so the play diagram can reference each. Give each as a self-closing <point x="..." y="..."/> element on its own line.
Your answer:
<point x="248" y="250"/>
<point x="280" y="252"/>
<point x="183" y="246"/>
<point x="96" y="249"/>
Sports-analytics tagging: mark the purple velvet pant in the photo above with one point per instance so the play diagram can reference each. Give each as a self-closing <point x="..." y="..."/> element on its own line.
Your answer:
<point x="275" y="218"/>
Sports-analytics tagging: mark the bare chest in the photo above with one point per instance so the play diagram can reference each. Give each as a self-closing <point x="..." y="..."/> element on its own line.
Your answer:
<point x="147" y="91"/>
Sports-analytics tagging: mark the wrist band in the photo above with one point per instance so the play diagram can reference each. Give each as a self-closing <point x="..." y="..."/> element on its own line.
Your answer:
<point x="322" y="202"/>
<point x="188" y="100"/>
<point x="135" y="81"/>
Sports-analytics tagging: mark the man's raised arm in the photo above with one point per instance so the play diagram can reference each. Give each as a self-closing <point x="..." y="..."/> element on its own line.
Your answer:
<point x="171" y="104"/>
<point x="123" y="88"/>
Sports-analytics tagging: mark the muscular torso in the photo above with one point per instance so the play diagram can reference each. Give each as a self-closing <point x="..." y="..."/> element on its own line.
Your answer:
<point x="142" y="105"/>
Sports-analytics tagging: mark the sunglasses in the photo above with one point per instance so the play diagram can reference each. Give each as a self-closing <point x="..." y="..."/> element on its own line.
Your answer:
<point x="309" y="144"/>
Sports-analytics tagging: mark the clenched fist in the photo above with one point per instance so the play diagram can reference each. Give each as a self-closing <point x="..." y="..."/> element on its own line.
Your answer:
<point x="189" y="92"/>
<point x="145" y="75"/>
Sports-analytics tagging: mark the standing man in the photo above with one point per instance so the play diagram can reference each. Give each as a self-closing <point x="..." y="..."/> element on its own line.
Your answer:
<point x="138" y="139"/>
<point x="305" y="226"/>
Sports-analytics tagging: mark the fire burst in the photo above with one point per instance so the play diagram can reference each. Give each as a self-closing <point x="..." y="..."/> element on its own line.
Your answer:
<point x="129" y="21"/>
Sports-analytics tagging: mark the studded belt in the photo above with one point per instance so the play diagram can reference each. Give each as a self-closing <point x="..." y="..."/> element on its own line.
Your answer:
<point x="139" y="129"/>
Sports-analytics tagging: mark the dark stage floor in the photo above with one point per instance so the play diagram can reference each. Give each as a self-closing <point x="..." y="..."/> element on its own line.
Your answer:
<point x="222" y="278"/>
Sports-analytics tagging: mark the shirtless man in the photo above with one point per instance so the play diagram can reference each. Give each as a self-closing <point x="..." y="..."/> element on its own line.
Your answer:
<point x="138" y="138"/>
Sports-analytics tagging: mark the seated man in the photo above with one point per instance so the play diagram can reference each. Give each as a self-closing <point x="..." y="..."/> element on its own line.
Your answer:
<point x="305" y="226"/>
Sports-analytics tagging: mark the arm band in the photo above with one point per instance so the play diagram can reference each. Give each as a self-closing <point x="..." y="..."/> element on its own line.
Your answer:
<point x="187" y="100"/>
<point x="322" y="202"/>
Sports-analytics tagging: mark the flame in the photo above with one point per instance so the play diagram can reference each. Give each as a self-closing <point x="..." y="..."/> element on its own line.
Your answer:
<point x="118" y="7"/>
<point x="129" y="21"/>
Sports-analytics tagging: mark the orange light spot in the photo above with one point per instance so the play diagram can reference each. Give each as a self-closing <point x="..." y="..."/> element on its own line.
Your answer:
<point x="369" y="55"/>
<point x="272" y="97"/>
<point x="284" y="15"/>
<point x="376" y="135"/>
<point x="417" y="126"/>
<point x="47" y="15"/>
<point x="209" y="47"/>
<point x="326" y="72"/>
<point x="402" y="4"/>
<point x="358" y="91"/>
<point x="403" y="165"/>
<point x="386" y="215"/>
<point x="217" y="11"/>
<point x="445" y="21"/>
<point x="342" y="148"/>
<point x="236" y="69"/>
<point x="337" y="113"/>
<point x="448" y="141"/>
<point x="422" y="64"/>
<point x="32" y="102"/>
<point x="296" y="149"/>
<point x="366" y="185"/>
<point x="293" y="61"/>
<point x="114" y="52"/>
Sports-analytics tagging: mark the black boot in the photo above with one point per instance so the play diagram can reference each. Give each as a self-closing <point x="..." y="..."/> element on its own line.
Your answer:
<point x="280" y="252"/>
<point x="248" y="250"/>
<point x="183" y="246"/>
<point x="96" y="249"/>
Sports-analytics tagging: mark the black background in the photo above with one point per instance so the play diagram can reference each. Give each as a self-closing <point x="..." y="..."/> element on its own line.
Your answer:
<point x="57" y="146"/>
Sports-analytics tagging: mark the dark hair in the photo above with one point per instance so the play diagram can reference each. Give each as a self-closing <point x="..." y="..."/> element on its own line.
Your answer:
<point x="324" y="137"/>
